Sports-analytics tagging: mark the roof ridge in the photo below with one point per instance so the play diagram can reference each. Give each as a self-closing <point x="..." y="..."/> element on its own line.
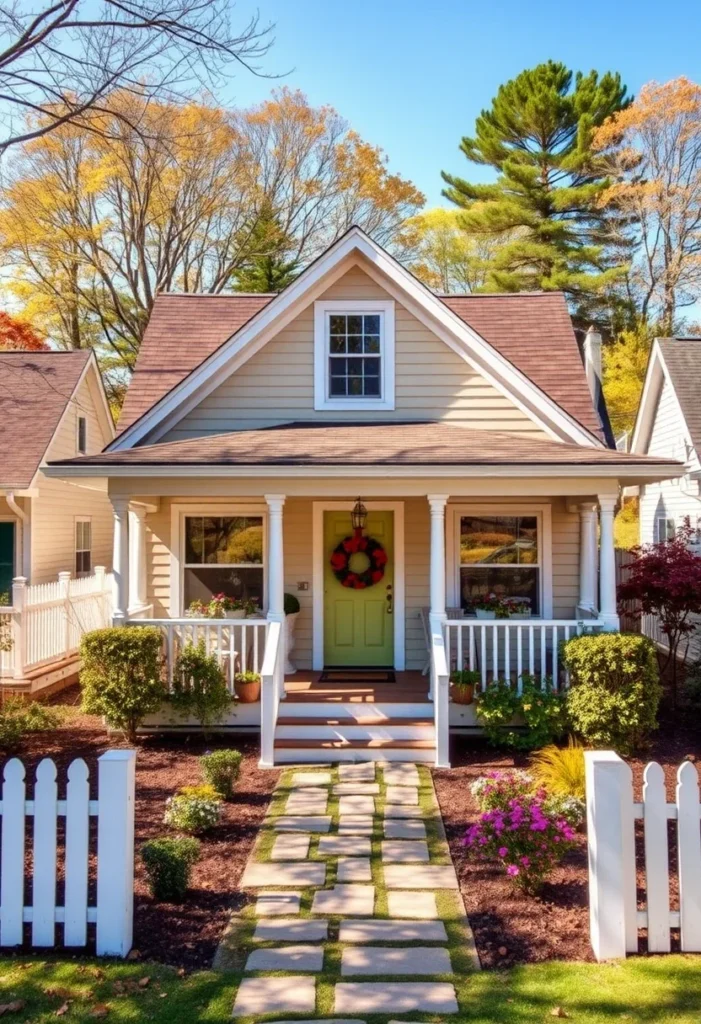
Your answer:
<point x="219" y="295"/>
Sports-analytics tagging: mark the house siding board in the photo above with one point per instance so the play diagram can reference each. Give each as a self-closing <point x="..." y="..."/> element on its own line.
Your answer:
<point x="277" y="384"/>
<point x="671" y="498"/>
<point x="297" y="542"/>
<point x="58" y="502"/>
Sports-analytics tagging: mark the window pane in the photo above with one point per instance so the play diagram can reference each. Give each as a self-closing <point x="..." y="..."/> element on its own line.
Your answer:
<point x="202" y="583"/>
<point x="372" y="387"/>
<point x="337" y="324"/>
<point x="221" y="540"/>
<point x="372" y="343"/>
<point x="337" y="343"/>
<point x="372" y="324"/>
<point x="504" y="581"/>
<point x="338" y="386"/>
<point x="498" y="540"/>
<point x="355" y="343"/>
<point x="355" y="385"/>
<point x="354" y="324"/>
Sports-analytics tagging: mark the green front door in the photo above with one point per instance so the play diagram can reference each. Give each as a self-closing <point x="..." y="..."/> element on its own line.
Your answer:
<point x="359" y="624"/>
<point x="7" y="561"/>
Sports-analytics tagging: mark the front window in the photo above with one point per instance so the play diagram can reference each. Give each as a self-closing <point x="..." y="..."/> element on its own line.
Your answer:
<point x="223" y="555"/>
<point x="500" y="555"/>
<point x="666" y="529"/>
<point x="355" y="360"/>
<point x="83" y="547"/>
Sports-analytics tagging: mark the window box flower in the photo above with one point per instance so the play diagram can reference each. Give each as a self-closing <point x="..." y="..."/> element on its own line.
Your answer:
<point x="494" y="607"/>
<point x="222" y="607"/>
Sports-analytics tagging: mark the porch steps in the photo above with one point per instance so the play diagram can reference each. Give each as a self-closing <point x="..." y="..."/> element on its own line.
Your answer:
<point x="401" y="731"/>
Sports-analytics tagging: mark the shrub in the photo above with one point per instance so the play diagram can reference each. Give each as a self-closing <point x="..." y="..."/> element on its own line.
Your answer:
<point x="526" y="838"/>
<point x="121" y="676"/>
<point x="168" y="864"/>
<point x="193" y="809"/>
<point x="542" y="710"/>
<point x="199" y="686"/>
<point x="560" y="770"/>
<point x="615" y="689"/>
<point x="496" y="788"/>
<point x="571" y="809"/>
<point x="221" y="769"/>
<point x="290" y="604"/>
<point x="19" y="717"/>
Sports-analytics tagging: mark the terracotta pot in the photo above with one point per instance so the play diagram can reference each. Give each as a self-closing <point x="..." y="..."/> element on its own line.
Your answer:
<point x="247" y="693"/>
<point x="462" y="694"/>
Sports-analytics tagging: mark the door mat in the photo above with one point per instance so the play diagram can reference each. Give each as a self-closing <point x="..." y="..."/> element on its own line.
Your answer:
<point x="364" y="675"/>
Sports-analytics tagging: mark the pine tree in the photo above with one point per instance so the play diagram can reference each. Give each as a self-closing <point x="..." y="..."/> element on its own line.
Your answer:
<point x="272" y="264"/>
<point x="537" y="136"/>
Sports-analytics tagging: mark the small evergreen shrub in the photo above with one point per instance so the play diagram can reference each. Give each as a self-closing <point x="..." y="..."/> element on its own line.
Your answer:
<point x="20" y="717"/>
<point x="221" y="769"/>
<point x="121" y="676"/>
<point x="199" y="686"/>
<point x="541" y="709"/>
<point x="290" y="604"/>
<point x="560" y="770"/>
<point x="168" y="864"/>
<point x="193" y="809"/>
<point x="614" y="690"/>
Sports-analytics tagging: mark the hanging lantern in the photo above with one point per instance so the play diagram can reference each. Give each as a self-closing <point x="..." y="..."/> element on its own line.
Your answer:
<point x="359" y="516"/>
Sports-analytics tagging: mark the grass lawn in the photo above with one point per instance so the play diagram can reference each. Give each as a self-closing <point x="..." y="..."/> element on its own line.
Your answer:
<point x="659" y="989"/>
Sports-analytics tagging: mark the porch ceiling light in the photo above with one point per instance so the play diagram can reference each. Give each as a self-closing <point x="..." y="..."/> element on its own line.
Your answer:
<point x="359" y="515"/>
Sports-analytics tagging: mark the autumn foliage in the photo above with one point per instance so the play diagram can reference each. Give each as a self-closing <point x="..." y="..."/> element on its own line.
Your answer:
<point x="18" y="334"/>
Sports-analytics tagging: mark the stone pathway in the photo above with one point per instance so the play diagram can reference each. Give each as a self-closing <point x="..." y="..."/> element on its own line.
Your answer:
<point x="356" y="909"/>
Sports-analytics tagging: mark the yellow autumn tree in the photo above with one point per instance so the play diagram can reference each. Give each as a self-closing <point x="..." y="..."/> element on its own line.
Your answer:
<point x="624" y="366"/>
<point x="653" y="150"/>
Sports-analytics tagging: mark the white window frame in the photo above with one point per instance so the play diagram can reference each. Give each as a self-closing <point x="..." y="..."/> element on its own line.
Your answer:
<point x="322" y="311"/>
<point x="178" y="565"/>
<point x="666" y="520"/>
<point x="543" y="514"/>
<point x="79" y="420"/>
<point x="76" y="521"/>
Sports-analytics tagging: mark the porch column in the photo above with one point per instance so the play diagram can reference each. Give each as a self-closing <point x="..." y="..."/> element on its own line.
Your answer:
<point x="607" y="564"/>
<point x="276" y="568"/>
<point x="437" y="504"/>
<point x="587" y="557"/>
<point x="137" y="550"/>
<point x="120" y="560"/>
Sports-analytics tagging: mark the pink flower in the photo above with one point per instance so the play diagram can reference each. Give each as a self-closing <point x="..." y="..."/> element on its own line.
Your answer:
<point x="512" y="870"/>
<point x="502" y="851"/>
<point x="526" y="862"/>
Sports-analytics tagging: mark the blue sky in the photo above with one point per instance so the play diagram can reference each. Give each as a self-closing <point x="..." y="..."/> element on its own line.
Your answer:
<point x="412" y="76"/>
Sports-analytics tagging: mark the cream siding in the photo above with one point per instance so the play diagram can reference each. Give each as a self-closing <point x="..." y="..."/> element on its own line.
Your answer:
<point x="277" y="384"/>
<point x="297" y="520"/>
<point x="54" y="510"/>
<point x="673" y="499"/>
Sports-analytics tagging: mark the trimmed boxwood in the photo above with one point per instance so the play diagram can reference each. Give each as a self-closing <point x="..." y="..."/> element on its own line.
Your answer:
<point x="168" y="864"/>
<point x="614" y="690"/>
<point x="221" y="769"/>
<point x="121" y="675"/>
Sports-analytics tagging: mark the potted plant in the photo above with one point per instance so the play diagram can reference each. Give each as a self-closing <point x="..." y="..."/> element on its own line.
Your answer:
<point x="488" y="607"/>
<point x="291" y="607"/>
<point x="517" y="607"/>
<point x="222" y="607"/>
<point x="247" y="687"/>
<point x="463" y="682"/>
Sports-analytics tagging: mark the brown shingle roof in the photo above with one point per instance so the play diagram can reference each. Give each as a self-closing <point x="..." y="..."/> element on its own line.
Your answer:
<point x="35" y="388"/>
<point x="682" y="358"/>
<point x="532" y="330"/>
<point x="306" y="444"/>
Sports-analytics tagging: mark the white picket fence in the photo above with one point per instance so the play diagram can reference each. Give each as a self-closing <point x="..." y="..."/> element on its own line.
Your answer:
<point x="112" y="912"/>
<point x="611" y="815"/>
<point x="47" y="620"/>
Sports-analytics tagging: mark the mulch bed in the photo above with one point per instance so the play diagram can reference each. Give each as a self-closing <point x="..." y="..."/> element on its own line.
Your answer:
<point x="185" y="935"/>
<point x="510" y="927"/>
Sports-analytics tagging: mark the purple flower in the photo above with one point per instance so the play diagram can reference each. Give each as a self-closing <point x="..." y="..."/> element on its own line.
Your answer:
<point x="526" y="862"/>
<point x="512" y="870"/>
<point x="502" y="851"/>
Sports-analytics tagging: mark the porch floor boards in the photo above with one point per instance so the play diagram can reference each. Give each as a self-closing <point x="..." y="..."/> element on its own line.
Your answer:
<point x="304" y="686"/>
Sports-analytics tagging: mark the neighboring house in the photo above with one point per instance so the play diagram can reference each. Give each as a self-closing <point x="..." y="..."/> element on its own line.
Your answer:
<point x="467" y="426"/>
<point x="52" y="406"/>
<point x="669" y="425"/>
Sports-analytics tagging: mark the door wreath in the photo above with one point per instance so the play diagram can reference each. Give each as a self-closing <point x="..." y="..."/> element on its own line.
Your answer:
<point x="341" y="556"/>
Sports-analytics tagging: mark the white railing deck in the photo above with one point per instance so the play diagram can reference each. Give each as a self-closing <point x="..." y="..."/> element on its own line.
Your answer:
<point x="237" y="644"/>
<point x="511" y="648"/>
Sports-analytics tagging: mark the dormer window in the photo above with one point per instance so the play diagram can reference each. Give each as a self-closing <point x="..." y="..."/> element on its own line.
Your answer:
<point x="354" y="355"/>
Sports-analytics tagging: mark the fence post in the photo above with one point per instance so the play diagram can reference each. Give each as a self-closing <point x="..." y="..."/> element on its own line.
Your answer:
<point x="689" y="847"/>
<point x="64" y="579"/>
<point x="610" y="839"/>
<point x="115" y="852"/>
<point x="19" y="635"/>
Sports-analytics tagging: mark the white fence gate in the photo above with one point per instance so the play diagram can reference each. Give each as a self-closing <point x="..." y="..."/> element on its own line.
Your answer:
<point x="611" y="815"/>
<point x="113" y="910"/>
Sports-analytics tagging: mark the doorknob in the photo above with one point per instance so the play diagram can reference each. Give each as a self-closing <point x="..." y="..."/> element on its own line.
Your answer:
<point x="390" y="600"/>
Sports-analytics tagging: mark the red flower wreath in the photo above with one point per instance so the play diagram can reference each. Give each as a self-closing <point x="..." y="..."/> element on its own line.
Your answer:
<point x="350" y="546"/>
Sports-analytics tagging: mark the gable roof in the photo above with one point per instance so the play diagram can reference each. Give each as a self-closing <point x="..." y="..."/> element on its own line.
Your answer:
<point x="36" y="390"/>
<point x="679" y="361"/>
<point x="373" y="446"/>
<point x="145" y="420"/>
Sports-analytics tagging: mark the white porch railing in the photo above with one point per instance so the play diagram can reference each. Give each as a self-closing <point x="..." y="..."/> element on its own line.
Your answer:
<point x="440" y="683"/>
<point x="272" y="690"/>
<point x="237" y="644"/>
<point x="47" y="620"/>
<point x="508" y="649"/>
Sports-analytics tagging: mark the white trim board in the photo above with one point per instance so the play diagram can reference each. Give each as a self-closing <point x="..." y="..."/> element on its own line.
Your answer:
<point x="311" y="283"/>
<point x="543" y="512"/>
<point x="318" y="509"/>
